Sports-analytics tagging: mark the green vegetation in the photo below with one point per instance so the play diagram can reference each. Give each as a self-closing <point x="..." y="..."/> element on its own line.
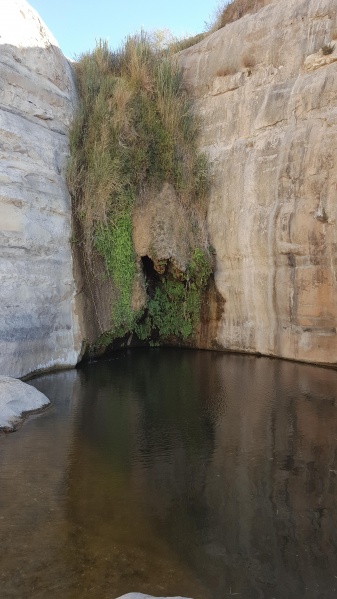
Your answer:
<point x="175" y="306"/>
<point x="134" y="131"/>
<point x="115" y="244"/>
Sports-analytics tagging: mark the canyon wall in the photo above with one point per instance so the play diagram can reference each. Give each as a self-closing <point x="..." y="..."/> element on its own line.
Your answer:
<point x="38" y="321"/>
<point x="267" y="95"/>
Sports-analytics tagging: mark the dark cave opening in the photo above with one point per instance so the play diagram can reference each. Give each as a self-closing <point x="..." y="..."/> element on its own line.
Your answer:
<point x="152" y="277"/>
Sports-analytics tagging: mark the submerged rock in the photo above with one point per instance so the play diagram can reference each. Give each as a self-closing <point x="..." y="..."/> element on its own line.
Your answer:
<point x="142" y="596"/>
<point x="17" y="398"/>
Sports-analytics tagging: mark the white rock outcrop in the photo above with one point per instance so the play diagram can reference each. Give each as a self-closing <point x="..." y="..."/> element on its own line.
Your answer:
<point x="267" y="94"/>
<point x="17" y="398"/>
<point x="38" y="321"/>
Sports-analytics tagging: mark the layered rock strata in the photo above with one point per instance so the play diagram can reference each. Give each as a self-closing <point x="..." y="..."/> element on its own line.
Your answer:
<point x="38" y="321"/>
<point x="267" y="93"/>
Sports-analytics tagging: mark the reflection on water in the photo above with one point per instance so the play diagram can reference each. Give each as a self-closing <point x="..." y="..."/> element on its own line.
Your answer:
<point x="174" y="472"/>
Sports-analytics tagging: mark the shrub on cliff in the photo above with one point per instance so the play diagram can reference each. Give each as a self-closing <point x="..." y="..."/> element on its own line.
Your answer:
<point x="234" y="10"/>
<point x="133" y="131"/>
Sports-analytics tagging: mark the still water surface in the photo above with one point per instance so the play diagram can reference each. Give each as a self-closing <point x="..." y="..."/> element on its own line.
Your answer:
<point x="174" y="472"/>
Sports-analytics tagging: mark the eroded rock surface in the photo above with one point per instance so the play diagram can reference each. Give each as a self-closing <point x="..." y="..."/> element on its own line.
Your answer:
<point x="17" y="398"/>
<point x="163" y="229"/>
<point x="38" y="322"/>
<point x="267" y="95"/>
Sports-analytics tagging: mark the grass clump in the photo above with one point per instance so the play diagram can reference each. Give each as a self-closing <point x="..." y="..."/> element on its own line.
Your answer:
<point x="134" y="130"/>
<point x="235" y="10"/>
<point x="328" y="49"/>
<point x="187" y="42"/>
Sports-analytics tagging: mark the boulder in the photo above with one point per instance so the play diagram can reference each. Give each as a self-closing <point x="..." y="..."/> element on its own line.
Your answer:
<point x="16" y="399"/>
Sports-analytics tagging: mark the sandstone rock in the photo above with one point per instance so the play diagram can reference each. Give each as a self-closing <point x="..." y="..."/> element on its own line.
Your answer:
<point x="267" y="97"/>
<point x="38" y="321"/>
<point x="163" y="229"/>
<point x="16" y="398"/>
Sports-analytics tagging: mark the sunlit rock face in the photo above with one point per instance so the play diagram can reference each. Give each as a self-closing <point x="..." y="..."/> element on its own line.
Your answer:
<point x="267" y="96"/>
<point x="38" y="322"/>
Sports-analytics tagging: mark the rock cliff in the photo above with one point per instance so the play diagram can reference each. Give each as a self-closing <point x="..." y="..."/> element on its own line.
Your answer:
<point x="267" y="93"/>
<point x="266" y="89"/>
<point x="38" y="322"/>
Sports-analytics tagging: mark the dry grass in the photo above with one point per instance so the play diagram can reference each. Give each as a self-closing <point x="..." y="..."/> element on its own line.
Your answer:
<point x="328" y="49"/>
<point x="134" y="130"/>
<point x="225" y="71"/>
<point x="183" y="44"/>
<point x="248" y="61"/>
<point x="234" y="10"/>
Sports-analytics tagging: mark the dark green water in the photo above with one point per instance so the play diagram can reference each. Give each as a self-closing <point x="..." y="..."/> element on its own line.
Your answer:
<point x="174" y="472"/>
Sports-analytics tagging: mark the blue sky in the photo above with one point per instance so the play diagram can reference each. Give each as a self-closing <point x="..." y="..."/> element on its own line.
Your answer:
<point x="76" y="24"/>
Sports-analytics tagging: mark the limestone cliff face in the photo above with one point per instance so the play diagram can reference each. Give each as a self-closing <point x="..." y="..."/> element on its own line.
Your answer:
<point x="267" y="95"/>
<point x="38" y="323"/>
